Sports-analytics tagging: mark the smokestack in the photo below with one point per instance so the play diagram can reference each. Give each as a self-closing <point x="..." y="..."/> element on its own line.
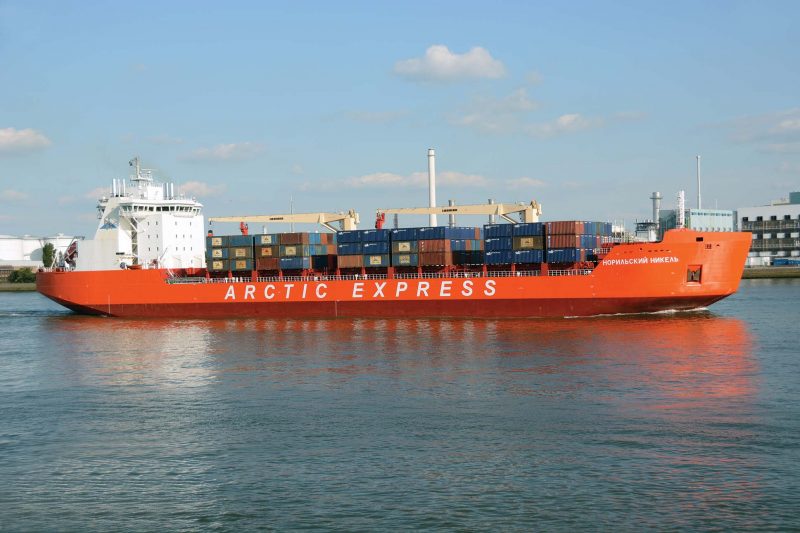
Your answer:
<point x="656" y="198"/>
<point x="699" y="202"/>
<point x="432" y="184"/>
<point x="681" y="209"/>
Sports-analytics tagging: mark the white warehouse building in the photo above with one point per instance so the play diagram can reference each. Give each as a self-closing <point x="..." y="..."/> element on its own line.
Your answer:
<point x="26" y="251"/>
<point x="775" y="228"/>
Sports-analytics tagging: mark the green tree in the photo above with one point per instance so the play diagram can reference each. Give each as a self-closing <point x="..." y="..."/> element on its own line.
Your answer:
<point x="23" y="275"/>
<point x="48" y="254"/>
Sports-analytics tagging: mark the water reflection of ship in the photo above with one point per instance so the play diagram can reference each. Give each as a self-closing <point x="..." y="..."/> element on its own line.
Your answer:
<point x="684" y="356"/>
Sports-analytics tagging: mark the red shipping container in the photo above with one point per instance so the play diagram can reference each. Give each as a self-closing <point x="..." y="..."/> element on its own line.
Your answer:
<point x="351" y="261"/>
<point x="434" y="245"/>
<point x="268" y="263"/>
<point x="294" y="238"/>
<point x="564" y="227"/>
<point x="435" y="258"/>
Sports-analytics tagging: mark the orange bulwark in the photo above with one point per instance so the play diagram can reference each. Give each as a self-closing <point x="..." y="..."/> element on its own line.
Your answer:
<point x="686" y="270"/>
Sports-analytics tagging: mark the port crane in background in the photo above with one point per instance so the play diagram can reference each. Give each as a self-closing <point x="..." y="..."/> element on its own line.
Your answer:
<point x="528" y="212"/>
<point x="347" y="221"/>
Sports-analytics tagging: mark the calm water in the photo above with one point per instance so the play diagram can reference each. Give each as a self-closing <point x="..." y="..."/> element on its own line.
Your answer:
<point x="687" y="421"/>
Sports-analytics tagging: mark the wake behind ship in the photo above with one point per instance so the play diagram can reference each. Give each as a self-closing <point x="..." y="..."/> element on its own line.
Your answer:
<point x="151" y="257"/>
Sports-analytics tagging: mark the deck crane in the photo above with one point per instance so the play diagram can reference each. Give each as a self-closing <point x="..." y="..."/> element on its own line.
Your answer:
<point x="530" y="212"/>
<point x="347" y="221"/>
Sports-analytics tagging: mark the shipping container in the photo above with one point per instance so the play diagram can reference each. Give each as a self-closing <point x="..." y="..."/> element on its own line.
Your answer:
<point x="240" y="240"/>
<point x="528" y="256"/>
<point x="218" y="253"/>
<point x="323" y="262"/>
<point x="322" y="238"/>
<point x="466" y="245"/>
<point x="470" y="257"/>
<point x="347" y="237"/>
<point x="433" y="245"/>
<point x="411" y="260"/>
<point x="217" y="242"/>
<point x="497" y="244"/>
<point x="564" y="227"/>
<point x="499" y="257"/>
<point x="348" y="248"/>
<point x="528" y="243"/>
<point x="404" y="234"/>
<point x="350" y="261"/>
<point x="267" y="239"/>
<point x="294" y="238"/>
<point x="404" y="247"/>
<point x="573" y="241"/>
<point x="295" y="250"/>
<point x="240" y="265"/>
<point x="268" y="263"/>
<point x="268" y="251"/>
<point x="566" y="255"/>
<point x="375" y="235"/>
<point x="218" y="265"/>
<point x="376" y="247"/>
<point x="376" y="260"/>
<point x="295" y="263"/>
<point x="527" y="229"/>
<point x="493" y="231"/>
<point x="439" y="258"/>
<point x="242" y="252"/>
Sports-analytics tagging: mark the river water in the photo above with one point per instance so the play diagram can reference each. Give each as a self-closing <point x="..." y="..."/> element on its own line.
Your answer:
<point x="669" y="421"/>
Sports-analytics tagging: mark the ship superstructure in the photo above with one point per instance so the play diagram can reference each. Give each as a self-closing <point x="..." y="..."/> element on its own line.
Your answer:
<point x="143" y="224"/>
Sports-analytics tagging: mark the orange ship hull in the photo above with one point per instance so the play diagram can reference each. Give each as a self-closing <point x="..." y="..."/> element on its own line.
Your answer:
<point x="686" y="270"/>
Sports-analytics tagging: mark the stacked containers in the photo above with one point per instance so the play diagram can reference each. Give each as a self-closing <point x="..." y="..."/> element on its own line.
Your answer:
<point x="240" y="253"/>
<point x="267" y="251"/>
<point x="375" y="247"/>
<point x="574" y="241"/>
<point x="217" y="253"/>
<point x="349" y="249"/>
<point x="405" y="247"/>
<point x="498" y="243"/>
<point x="323" y="251"/>
<point x="527" y="242"/>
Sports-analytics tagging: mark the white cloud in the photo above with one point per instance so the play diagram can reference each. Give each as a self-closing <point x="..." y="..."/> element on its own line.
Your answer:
<point x="440" y="64"/>
<point x="226" y="152"/>
<point x="199" y="188"/>
<point x="525" y="183"/>
<point x="12" y="195"/>
<point x="15" y="141"/>
<point x="497" y="115"/>
<point x="569" y="123"/>
<point x="776" y="132"/>
<point x="389" y="179"/>
<point x="97" y="192"/>
<point x="376" y="117"/>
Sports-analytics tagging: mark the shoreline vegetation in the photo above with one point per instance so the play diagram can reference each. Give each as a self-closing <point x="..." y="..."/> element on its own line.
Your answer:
<point x="749" y="273"/>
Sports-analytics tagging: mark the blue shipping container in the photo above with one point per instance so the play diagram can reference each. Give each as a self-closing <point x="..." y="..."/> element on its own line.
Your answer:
<point x="491" y="231"/>
<point x="345" y="237"/>
<point x="381" y="247"/>
<point x="404" y="234"/>
<point x="473" y="257"/>
<point x="528" y="256"/>
<point x="374" y="235"/>
<point x="501" y="257"/>
<point x="496" y="244"/>
<point x="349" y="248"/>
<point x="565" y="255"/>
<point x="527" y="229"/>
<point x="295" y="263"/>
<point x="240" y="240"/>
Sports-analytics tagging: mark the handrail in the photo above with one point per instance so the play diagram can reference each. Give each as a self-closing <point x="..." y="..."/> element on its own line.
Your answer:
<point x="358" y="277"/>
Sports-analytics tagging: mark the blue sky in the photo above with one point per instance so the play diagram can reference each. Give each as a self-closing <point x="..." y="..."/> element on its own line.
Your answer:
<point x="586" y="107"/>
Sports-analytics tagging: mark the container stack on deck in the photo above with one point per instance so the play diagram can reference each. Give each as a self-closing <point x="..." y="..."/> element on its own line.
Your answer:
<point x="525" y="245"/>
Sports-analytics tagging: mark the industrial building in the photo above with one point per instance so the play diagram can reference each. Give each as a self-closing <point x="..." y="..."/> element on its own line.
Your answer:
<point x="776" y="231"/>
<point x="26" y="251"/>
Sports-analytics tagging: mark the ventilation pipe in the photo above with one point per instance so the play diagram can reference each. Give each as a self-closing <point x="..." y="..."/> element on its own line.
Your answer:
<point x="452" y="224"/>
<point x="656" y="198"/>
<point x="699" y="201"/>
<point x="681" y="209"/>
<point x="432" y="184"/>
